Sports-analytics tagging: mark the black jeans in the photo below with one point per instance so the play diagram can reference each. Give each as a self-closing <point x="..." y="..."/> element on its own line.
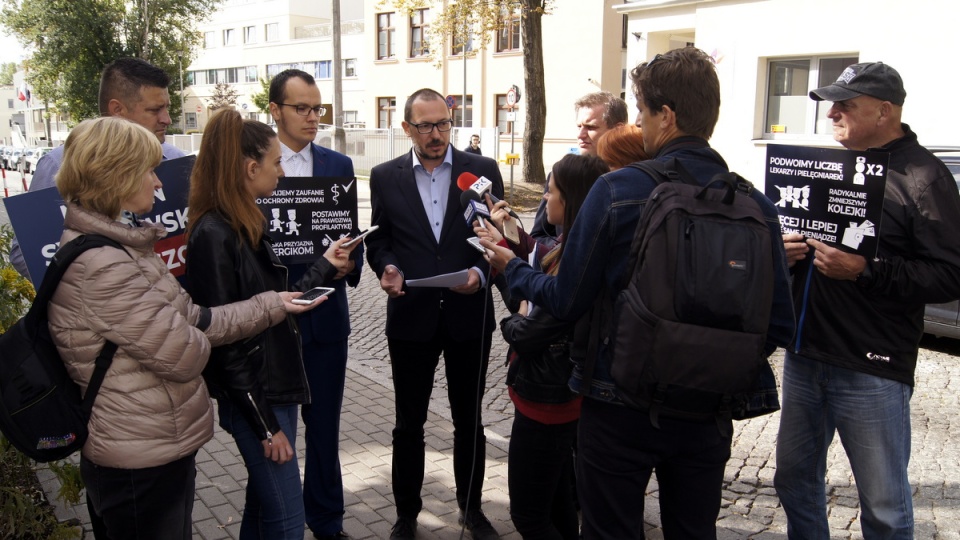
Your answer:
<point x="413" y="365"/>
<point x="141" y="504"/>
<point x="619" y="449"/>
<point x="540" y="478"/>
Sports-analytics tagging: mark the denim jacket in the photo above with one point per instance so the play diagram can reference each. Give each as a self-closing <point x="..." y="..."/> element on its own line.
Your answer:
<point x="596" y="251"/>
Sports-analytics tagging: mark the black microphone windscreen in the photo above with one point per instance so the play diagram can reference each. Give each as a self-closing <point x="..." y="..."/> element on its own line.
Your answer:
<point x="469" y="195"/>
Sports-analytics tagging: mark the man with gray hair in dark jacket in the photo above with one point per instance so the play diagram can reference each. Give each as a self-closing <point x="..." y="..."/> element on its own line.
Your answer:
<point x="850" y="369"/>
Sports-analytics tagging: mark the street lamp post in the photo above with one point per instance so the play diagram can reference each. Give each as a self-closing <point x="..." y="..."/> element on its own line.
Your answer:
<point x="183" y="114"/>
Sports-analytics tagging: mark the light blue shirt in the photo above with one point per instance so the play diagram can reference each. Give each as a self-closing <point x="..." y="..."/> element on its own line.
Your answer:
<point x="434" y="189"/>
<point x="49" y="164"/>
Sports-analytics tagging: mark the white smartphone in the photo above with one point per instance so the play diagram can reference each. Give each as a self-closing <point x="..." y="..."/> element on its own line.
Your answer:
<point x="475" y="242"/>
<point x="360" y="236"/>
<point x="313" y="295"/>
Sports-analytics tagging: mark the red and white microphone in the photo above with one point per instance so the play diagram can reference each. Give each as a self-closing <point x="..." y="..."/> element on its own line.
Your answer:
<point x="474" y="190"/>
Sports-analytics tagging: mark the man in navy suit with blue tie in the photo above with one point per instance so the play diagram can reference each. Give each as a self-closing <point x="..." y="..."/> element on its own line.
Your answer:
<point x="295" y="107"/>
<point x="416" y="203"/>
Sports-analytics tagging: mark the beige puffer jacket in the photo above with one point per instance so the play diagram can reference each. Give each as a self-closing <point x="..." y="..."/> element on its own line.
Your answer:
<point x="153" y="407"/>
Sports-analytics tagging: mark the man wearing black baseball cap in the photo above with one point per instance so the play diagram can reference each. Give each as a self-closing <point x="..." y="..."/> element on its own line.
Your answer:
<point x="850" y="369"/>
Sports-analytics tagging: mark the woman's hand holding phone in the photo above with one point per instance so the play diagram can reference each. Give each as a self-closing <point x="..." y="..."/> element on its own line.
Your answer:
<point x="296" y="308"/>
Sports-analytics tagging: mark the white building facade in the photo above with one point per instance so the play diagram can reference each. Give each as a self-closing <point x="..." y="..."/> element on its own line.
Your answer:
<point x="249" y="40"/>
<point x="386" y="59"/>
<point x="771" y="53"/>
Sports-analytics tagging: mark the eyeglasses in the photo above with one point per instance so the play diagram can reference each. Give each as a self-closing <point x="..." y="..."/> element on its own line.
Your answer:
<point x="427" y="127"/>
<point x="304" y="110"/>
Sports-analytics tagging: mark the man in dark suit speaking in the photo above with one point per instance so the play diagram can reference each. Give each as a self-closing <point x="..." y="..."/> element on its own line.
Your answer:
<point x="416" y="203"/>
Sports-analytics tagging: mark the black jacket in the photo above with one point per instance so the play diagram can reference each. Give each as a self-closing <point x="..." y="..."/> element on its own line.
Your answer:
<point x="405" y="239"/>
<point x="874" y="325"/>
<point x="266" y="369"/>
<point x="540" y="364"/>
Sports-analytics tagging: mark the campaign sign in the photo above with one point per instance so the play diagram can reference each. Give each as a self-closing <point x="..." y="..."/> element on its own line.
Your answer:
<point x="833" y="195"/>
<point x="306" y="214"/>
<point x="37" y="219"/>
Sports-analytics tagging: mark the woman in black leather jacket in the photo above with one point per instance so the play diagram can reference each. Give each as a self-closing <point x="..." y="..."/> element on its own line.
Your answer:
<point x="258" y="383"/>
<point x="540" y="461"/>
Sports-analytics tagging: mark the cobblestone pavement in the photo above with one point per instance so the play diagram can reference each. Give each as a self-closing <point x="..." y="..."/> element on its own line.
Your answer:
<point x="750" y="506"/>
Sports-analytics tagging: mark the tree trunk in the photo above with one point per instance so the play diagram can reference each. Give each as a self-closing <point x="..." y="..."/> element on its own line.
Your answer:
<point x="535" y="103"/>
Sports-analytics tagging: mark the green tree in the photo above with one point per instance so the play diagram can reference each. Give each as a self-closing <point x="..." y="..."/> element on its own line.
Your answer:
<point x="486" y="19"/>
<point x="261" y="99"/>
<point x="73" y="40"/>
<point x="223" y="96"/>
<point x="7" y="69"/>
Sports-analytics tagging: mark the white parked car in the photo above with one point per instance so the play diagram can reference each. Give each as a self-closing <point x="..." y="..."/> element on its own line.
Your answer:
<point x="30" y="162"/>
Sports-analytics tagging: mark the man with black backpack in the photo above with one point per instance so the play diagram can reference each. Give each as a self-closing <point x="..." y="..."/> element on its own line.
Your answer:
<point x="622" y="440"/>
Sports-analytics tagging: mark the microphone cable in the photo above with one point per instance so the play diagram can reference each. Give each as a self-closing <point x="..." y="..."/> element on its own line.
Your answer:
<point x="481" y="382"/>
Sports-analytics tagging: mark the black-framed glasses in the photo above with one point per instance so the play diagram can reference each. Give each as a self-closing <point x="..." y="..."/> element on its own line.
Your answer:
<point x="304" y="110"/>
<point x="427" y="127"/>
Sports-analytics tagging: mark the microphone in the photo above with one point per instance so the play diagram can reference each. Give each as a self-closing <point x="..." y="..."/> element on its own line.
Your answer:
<point x="473" y="191"/>
<point x="473" y="211"/>
<point x="468" y="182"/>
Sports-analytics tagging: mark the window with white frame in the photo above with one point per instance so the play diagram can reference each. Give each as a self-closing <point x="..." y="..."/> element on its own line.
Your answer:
<point x="229" y="37"/>
<point x="350" y="67"/>
<point x="789" y="110"/>
<point x="349" y="117"/>
<point x="209" y="40"/>
<point x="272" y="32"/>
<point x="247" y="74"/>
<point x="324" y="70"/>
<point x="191" y="119"/>
<point x="249" y="34"/>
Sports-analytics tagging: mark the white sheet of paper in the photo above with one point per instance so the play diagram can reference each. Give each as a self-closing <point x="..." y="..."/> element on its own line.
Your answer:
<point x="443" y="280"/>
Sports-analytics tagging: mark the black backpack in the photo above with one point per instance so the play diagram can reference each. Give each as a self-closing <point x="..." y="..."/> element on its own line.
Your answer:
<point x="688" y="326"/>
<point x="41" y="410"/>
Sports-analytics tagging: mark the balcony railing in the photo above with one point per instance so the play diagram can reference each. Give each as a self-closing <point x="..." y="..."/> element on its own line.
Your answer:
<point x="325" y="30"/>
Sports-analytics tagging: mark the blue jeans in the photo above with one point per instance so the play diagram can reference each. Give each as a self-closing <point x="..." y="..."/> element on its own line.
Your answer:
<point x="872" y="416"/>
<point x="274" y="505"/>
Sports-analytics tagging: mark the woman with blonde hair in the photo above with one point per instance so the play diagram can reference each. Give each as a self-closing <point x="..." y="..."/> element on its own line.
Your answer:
<point x="259" y="383"/>
<point x="622" y="146"/>
<point x="153" y="411"/>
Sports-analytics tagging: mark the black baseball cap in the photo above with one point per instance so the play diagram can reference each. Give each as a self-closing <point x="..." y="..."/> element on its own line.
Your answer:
<point x="874" y="79"/>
